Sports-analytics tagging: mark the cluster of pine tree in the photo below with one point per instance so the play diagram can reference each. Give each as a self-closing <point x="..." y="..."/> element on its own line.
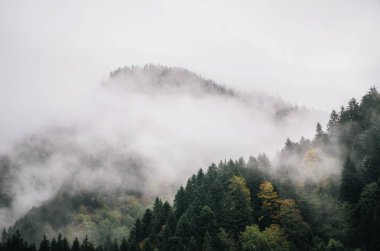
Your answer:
<point x="17" y="243"/>
<point x="357" y="128"/>
<point x="233" y="206"/>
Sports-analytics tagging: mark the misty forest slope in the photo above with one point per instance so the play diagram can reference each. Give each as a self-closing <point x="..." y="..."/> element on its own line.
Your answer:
<point x="146" y="130"/>
<point x="156" y="80"/>
<point x="314" y="195"/>
<point x="259" y="204"/>
<point x="239" y="206"/>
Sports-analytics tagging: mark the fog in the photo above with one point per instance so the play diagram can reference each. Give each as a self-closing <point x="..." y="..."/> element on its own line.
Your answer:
<point x="62" y="119"/>
<point x="313" y="53"/>
<point x="146" y="129"/>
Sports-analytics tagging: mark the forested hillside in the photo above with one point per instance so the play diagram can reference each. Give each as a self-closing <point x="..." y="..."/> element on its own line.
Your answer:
<point x="239" y="206"/>
<point x="294" y="203"/>
<point x="144" y="132"/>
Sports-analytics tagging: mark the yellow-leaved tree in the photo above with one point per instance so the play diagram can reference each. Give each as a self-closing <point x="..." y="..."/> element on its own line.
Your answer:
<point x="269" y="199"/>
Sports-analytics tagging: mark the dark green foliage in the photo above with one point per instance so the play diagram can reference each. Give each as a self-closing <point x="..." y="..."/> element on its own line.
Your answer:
<point x="210" y="214"/>
<point x="215" y="208"/>
<point x="86" y="245"/>
<point x="76" y="245"/>
<point x="357" y="129"/>
<point x="17" y="243"/>
<point x="44" y="245"/>
<point x="369" y="213"/>
<point x="180" y="202"/>
<point x="352" y="183"/>
<point x="124" y="245"/>
<point x="146" y="224"/>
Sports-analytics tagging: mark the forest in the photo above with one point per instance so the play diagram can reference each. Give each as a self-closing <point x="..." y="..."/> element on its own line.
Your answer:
<point x="251" y="205"/>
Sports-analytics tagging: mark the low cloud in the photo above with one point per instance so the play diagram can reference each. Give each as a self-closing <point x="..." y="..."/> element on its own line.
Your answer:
<point x="145" y="129"/>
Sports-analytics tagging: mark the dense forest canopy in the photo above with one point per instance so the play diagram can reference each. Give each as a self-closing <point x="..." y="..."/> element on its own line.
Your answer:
<point x="253" y="205"/>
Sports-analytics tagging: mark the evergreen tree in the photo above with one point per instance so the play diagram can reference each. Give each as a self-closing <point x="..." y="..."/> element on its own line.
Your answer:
<point x="45" y="246"/>
<point x="86" y="245"/>
<point x="16" y="242"/>
<point x="352" y="184"/>
<point x="53" y="244"/>
<point x="65" y="245"/>
<point x="332" y="124"/>
<point x="146" y="223"/>
<point x="75" y="246"/>
<point x="136" y="232"/>
<point x="157" y="221"/>
<point x="4" y="235"/>
<point x="264" y="162"/>
<point x="183" y="230"/>
<point x="115" y="245"/>
<point x="123" y="245"/>
<point x="369" y="226"/>
<point x="108" y="243"/>
<point x="241" y="212"/>
<point x="180" y="202"/>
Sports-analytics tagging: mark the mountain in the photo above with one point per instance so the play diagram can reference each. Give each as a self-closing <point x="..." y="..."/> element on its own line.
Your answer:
<point x="146" y="130"/>
<point x="157" y="78"/>
<point x="316" y="194"/>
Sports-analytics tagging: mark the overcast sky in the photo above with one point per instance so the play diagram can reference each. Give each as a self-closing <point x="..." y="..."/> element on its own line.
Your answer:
<point x="313" y="53"/>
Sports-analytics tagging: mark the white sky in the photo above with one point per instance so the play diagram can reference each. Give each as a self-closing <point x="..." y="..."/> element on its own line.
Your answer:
<point x="313" y="53"/>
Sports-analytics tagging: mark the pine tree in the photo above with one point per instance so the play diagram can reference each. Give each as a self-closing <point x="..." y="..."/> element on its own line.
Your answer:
<point x="264" y="162"/>
<point x="239" y="211"/>
<point x="332" y="124"/>
<point x="53" y="244"/>
<point x="16" y="242"/>
<point x="369" y="207"/>
<point x="115" y="245"/>
<point x="4" y="235"/>
<point x="352" y="184"/>
<point x="86" y="245"/>
<point x="65" y="245"/>
<point x="157" y="220"/>
<point x="146" y="223"/>
<point x="207" y="220"/>
<point x="75" y="246"/>
<point x="180" y="202"/>
<point x="123" y="245"/>
<point x="183" y="230"/>
<point x="44" y="245"/>
<point x="136" y="232"/>
<point x="252" y="163"/>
